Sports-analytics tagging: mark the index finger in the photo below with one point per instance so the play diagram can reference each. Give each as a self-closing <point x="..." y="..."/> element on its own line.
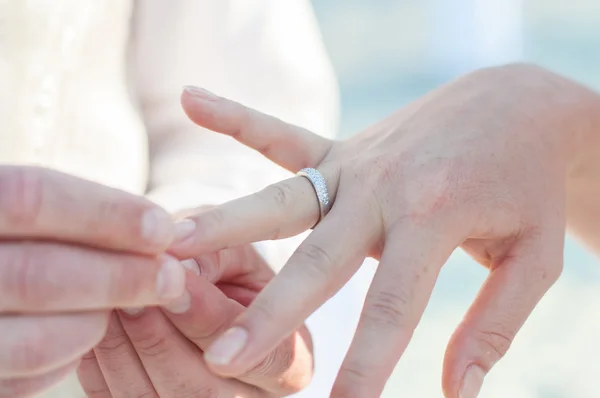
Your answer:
<point x="289" y="146"/>
<point x="45" y="204"/>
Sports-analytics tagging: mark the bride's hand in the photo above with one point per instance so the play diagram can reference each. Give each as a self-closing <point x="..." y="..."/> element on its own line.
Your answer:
<point x="479" y="163"/>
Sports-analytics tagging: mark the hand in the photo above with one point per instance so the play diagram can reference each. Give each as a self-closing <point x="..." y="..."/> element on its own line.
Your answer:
<point x="70" y="251"/>
<point x="157" y="352"/>
<point x="463" y="166"/>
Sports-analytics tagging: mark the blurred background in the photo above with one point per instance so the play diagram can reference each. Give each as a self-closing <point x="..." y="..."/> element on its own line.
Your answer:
<point x="389" y="52"/>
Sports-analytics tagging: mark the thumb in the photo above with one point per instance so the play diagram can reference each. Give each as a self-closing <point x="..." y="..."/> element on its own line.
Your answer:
<point x="289" y="146"/>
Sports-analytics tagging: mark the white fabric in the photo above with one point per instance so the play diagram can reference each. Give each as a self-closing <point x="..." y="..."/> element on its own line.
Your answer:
<point x="91" y="88"/>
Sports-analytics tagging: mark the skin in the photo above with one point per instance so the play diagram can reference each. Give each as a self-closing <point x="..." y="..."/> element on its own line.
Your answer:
<point x="159" y="352"/>
<point x="71" y="250"/>
<point x="498" y="163"/>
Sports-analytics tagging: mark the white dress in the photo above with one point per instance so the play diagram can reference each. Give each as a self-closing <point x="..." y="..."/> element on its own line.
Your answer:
<point x="91" y="88"/>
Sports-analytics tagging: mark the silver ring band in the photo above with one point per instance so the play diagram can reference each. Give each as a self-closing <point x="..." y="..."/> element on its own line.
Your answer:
<point x="320" y="186"/>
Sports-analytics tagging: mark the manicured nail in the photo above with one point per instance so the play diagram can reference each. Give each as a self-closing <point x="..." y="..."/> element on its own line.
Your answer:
<point x="472" y="382"/>
<point x="183" y="230"/>
<point x="157" y="226"/>
<point x="170" y="283"/>
<point x="200" y="93"/>
<point x="134" y="311"/>
<point x="192" y="265"/>
<point x="179" y="305"/>
<point x="227" y="347"/>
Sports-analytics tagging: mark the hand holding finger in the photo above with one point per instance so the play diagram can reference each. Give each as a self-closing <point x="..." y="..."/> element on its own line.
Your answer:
<point x="47" y="277"/>
<point x="279" y="211"/>
<point x="37" y="203"/>
<point x="433" y="168"/>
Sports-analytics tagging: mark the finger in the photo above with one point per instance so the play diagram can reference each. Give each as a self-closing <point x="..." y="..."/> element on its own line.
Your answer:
<point x="239" y="264"/>
<point x="120" y="365"/>
<point x="30" y="386"/>
<point x="48" y="277"/>
<point x="40" y="203"/>
<point x="34" y="345"/>
<point x="91" y="378"/>
<point x="173" y="364"/>
<point x="322" y="264"/>
<point x="281" y="210"/>
<point x="289" y="146"/>
<point x="400" y="290"/>
<point x="285" y="370"/>
<point x="509" y="295"/>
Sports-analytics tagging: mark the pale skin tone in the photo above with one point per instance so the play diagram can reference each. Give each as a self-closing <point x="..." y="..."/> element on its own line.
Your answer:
<point x="158" y="353"/>
<point x="498" y="163"/>
<point x="535" y="170"/>
<point x="71" y="250"/>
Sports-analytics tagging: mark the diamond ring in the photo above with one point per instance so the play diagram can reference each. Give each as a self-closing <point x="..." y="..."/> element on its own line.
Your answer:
<point x="320" y="186"/>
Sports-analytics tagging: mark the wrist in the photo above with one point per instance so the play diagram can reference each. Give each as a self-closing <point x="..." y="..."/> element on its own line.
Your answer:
<point x="565" y="117"/>
<point x="560" y="112"/>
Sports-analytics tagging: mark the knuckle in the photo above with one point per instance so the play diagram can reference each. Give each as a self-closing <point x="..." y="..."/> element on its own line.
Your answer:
<point x="22" y="195"/>
<point x="110" y="212"/>
<point x="129" y="281"/>
<point x="273" y="368"/>
<point x="350" y="380"/>
<point x="210" y="222"/>
<point x="242" y="116"/>
<point x="280" y="194"/>
<point x="436" y="194"/>
<point x="30" y="354"/>
<point x="438" y="187"/>
<point x="152" y="345"/>
<point x="384" y="169"/>
<point x="276" y="362"/>
<point x="147" y="393"/>
<point x="101" y="392"/>
<point x="263" y="311"/>
<point x="390" y="309"/>
<point x="494" y="344"/>
<point x="317" y="262"/>
<point x="25" y="282"/>
<point x="113" y="344"/>
<point x="205" y="391"/>
<point x="203" y="332"/>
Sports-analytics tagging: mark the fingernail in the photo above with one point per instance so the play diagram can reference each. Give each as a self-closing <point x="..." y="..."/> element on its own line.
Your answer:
<point x="134" y="311"/>
<point x="184" y="229"/>
<point x="157" y="226"/>
<point x="170" y="283"/>
<point x="179" y="305"/>
<point x="227" y="347"/>
<point x="472" y="382"/>
<point x="199" y="92"/>
<point x="192" y="265"/>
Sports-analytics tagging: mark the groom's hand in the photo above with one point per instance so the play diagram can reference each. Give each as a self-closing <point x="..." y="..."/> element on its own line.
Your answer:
<point x="158" y="352"/>
<point x="70" y="250"/>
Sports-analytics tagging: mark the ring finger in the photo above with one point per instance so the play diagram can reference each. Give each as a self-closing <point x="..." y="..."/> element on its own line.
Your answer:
<point x="281" y="210"/>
